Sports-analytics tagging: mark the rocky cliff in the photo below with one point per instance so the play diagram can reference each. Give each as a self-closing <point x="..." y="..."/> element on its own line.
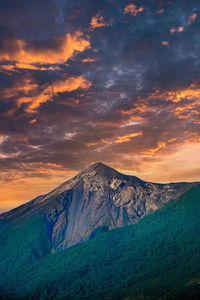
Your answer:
<point x="97" y="199"/>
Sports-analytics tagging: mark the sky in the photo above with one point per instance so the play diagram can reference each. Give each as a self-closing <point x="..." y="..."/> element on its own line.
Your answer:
<point x="84" y="81"/>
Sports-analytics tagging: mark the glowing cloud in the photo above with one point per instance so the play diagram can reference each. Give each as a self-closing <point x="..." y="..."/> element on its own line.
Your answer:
<point x="97" y="21"/>
<point x="191" y="93"/>
<point x="132" y="9"/>
<point x="26" y="56"/>
<point x="153" y="151"/>
<point x="89" y="60"/>
<point x="172" y="30"/>
<point x="49" y="91"/>
<point x="160" y="11"/>
<point x="127" y="137"/>
<point x="22" y="86"/>
<point x="192" y="18"/>
<point x="165" y="43"/>
<point x="180" y="29"/>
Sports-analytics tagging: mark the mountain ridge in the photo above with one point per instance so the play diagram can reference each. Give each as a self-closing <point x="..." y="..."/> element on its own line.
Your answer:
<point x="98" y="198"/>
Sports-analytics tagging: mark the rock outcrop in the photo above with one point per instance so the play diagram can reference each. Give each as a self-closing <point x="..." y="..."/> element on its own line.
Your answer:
<point x="97" y="199"/>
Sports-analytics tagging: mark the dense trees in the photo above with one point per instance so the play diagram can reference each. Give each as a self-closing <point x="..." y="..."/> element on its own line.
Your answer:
<point x="159" y="257"/>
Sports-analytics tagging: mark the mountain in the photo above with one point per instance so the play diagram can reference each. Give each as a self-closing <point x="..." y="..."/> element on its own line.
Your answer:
<point x="96" y="200"/>
<point x="156" y="258"/>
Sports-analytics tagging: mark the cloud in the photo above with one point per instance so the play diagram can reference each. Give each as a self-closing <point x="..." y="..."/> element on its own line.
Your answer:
<point x="51" y="90"/>
<point x="153" y="151"/>
<point x="172" y="30"/>
<point x="180" y="29"/>
<point x="160" y="11"/>
<point x="127" y="137"/>
<point x="89" y="60"/>
<point x="165" y="43"/>
<point x="22" y="86"/>
<point x="97" y="21"/>
<point x="56" y="51"/>
<point x="133" y="10"/>
<point x="192" y="18"/>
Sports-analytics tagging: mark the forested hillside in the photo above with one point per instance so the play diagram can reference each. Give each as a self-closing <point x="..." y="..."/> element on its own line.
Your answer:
<point x="157" y="258"/>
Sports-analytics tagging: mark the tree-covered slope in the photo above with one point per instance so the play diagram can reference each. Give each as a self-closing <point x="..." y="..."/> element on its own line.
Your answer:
<point x="157" y="258"/>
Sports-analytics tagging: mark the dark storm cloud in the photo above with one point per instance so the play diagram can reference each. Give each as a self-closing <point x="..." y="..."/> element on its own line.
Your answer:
<point x="121" y="104"/>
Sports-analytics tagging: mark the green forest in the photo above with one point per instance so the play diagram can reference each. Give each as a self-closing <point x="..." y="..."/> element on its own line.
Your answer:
<point x="156" y="258"/>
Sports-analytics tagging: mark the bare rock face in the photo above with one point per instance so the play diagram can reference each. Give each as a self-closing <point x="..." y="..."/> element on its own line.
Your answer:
<point x="97" y="199"/>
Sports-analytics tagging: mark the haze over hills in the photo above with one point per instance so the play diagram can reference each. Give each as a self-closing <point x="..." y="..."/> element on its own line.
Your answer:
<point x="96" y="200"/>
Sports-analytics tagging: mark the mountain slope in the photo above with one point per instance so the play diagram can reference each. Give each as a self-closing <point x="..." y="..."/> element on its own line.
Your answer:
<point x="156" y="258"/>
<point x="97" y="199"/>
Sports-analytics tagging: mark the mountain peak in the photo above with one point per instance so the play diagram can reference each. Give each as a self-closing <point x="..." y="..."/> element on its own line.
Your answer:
<point x="98" y="165"/>
<point x="100" y="169"/>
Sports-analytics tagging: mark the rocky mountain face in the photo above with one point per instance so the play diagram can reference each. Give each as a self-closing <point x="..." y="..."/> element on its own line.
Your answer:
<point x="97" y="199"/>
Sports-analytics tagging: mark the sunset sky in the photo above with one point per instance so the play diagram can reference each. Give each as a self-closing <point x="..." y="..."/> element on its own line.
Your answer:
<point x="87" y="81"/>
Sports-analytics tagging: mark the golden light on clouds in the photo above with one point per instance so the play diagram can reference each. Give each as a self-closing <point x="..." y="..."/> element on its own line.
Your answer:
<point x="180" y="29"/>
<point x="21" y="86"/>
<point x="133" y="10"/>
<point x="172" y="30"/>
<point x="89" y="60"/>
<point x="26" y="56"/>
<point x="165" y="43"/>
<point x="192" y="18"/>
<point x="97" y="21"/>
<point x="51" y="90"/>
<point x="160" y="11"/>
<point x="115" y="140"/>
<point x="127" y="137"/>
<point x="191" y="93"/>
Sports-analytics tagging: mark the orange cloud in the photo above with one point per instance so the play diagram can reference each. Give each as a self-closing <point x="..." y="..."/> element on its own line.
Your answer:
<point x="132" y="9"/>
<point x="185" y="105"/>
<point x="59" y="86"/>
<point x="165" y="43"/>
<point x="180" y="29"/>
<point x="160" y="11"/>
<point x="33" y="121"/>
<point x="97" y="21"/>
<point x="153" y="151"/>
<point x="192" y="18"/>
<point x="26" y="56"/>
<point x="7" y="68"/>
<point x="92" y="144"/>
<point x="87" y="60"/>
<point x="115" y="140"/>
<point x="22" y="86"/>
<point x="172" y="30"/>
<point x="191" y="93"/>
<point x="2" y="138"/>
<point x="127" y="137"/>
